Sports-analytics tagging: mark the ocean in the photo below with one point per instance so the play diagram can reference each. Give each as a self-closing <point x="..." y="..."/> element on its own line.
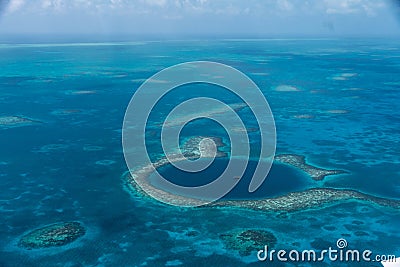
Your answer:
<point x="334" y="101"/>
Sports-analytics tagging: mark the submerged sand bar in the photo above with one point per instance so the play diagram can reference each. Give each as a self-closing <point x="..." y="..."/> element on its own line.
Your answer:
<point x="201" y="112"/>
<point x="15" y="121"/>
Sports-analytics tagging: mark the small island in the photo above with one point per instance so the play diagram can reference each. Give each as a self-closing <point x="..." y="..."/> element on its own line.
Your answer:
<point x="53" y="235"/>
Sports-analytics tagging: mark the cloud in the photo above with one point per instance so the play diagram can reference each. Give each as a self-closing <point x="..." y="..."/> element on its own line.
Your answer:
<point x="173" y="8"/>
<point x="368" y="7"/>
<point x="159" y="3"/>
<point x="197" y="16"/>
<point x="15" y="5"/>
<point x="285" y="5"/>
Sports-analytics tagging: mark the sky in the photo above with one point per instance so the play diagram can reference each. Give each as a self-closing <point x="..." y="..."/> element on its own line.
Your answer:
<point x="176" y="18"/>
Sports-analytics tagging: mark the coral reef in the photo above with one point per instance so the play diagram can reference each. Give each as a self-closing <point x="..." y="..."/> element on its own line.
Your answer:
<point x="246" y="241"/>
<point x="286" y="88"/>
<point x="203" y="146"/>
<point x="337" y="111"/>
<point x="15" y="121"/>
<point x="201" y="112"/>
<point x="80" y="92"/>
<point x="137" y="180"/>
<point x="299" y="162"/>
<point x="308" y="199"/>
<point x="54" y="235"/>
<point x="304" y="116"/>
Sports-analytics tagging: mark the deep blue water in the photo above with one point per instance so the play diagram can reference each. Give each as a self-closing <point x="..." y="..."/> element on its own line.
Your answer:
<point x="69" y="166"/>
<point x="281" y="179"/>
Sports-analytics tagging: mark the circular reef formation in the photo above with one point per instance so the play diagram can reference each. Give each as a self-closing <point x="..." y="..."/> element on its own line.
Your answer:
<point x="137" y="181"/>
<point x="53" y="235"/>
<point x="247" y="241"/>
<point x="312" y="198"/>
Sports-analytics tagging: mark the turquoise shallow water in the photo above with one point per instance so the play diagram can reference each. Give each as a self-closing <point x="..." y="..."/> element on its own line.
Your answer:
<point x="344" y="115"/>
